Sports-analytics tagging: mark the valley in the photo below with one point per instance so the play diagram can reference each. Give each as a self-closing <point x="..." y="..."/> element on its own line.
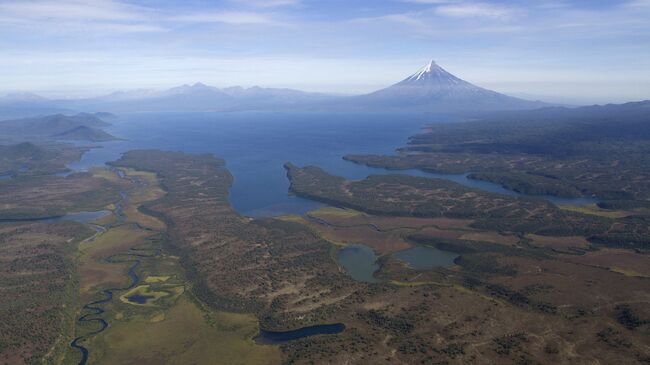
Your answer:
<point x="386" y="319"/>
<point x="366" y="275"/>
<point x="298" y="182"/>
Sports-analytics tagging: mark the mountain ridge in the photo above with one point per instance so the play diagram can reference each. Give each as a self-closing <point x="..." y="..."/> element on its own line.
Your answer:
<point x="430" y="89"/>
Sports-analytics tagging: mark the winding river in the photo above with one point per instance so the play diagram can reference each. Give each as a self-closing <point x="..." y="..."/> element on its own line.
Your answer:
<point x="92" y="311"/>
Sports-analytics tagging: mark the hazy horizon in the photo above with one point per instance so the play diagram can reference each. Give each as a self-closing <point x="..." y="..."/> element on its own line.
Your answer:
<point x="570" y="52"/>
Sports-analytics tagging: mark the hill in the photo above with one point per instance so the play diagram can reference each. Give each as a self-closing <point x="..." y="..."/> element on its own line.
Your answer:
<point x="81" y="126"/>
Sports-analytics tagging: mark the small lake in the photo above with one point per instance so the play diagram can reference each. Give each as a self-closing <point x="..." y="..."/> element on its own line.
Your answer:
<point x="273" y="337"/>
<point x="138" y="299"/>
<point x="424" y="257"/>
<point x="82" y="217"/>
<point x="360" y="262"/>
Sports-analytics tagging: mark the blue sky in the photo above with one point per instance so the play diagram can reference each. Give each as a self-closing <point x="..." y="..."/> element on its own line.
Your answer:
<point x="558" y="50"/>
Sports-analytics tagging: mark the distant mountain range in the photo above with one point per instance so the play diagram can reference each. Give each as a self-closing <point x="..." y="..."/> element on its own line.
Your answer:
<point x="20" y="105"/>
<point x="199" y="97"/>
<point x="431" y="89"/>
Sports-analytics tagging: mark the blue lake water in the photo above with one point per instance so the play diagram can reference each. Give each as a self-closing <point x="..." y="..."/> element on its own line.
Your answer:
<point x="139" y="299"/>
<point x="257" y="145"/>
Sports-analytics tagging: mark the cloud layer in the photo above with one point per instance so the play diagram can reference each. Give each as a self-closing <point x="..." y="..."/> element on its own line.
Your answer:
<point x="512" y="45"/>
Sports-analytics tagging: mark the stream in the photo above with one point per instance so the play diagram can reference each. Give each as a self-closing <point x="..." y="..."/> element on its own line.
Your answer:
<point x="92" y="311"/>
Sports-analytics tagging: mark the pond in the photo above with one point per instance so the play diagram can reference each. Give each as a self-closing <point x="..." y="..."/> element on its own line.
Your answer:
<point x="139" y="299"/>
<point x="424" y="257"/>
<point x="360" y="262"/>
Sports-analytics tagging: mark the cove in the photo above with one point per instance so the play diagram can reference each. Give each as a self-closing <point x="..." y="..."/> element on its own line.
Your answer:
<point x="278" y="337"/>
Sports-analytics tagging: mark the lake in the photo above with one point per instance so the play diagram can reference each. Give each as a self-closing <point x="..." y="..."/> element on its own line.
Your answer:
<point x="278" y="337"/>
<point x="256" y="145"/>
<point x="360" y="261"/>
<point x="423" y="257"/>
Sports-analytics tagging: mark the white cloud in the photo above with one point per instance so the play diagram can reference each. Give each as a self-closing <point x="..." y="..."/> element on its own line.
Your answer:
<point x="227" y="17"/>
<point x="402" y="18"/>
<point x="266" y="3"/>
<point x="76" y="16"/>
<point x="426" y="1"/>
<point x="70" y="10"/>
<point x="638" y="4"/>
<point x="475" y="10"/>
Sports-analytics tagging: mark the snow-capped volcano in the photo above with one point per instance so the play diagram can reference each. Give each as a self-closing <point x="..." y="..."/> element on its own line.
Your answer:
<point x="431" y="72"/>
<point x="434" y="89"/>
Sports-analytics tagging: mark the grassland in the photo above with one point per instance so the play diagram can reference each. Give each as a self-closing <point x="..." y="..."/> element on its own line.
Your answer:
<point x="600" y="151"/>
<point x="38" y="297"/>
<point x="47" y="196"/>
<point x="187" y="335"/>
<point x="510" y="299"/>
<point x="38" y="286"/>
<point x="28" y="159"/>
<point x="208" y="278"/>
<point x="409" y="196"/>
<point x="48" y="270"/>
<point x="171" y="325"/>
<point x="534" y="283"/>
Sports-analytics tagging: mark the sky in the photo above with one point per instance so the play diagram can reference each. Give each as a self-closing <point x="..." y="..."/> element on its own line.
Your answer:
<point x="591" y="51"/>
